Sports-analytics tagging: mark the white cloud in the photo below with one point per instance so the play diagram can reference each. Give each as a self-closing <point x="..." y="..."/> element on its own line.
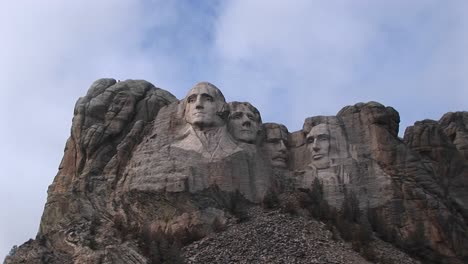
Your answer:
<point x="330" y="54"/>
<point x="306" y="47"/>
<point x="50" y="54"/>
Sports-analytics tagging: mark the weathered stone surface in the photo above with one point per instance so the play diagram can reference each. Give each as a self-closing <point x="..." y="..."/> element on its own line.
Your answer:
<point x="358" y="150"/>
<point x="455" y="126"/>
<point x="191" y="156"/>
<point x="449" y="165"/>
<point x="108" y="123"/>
<point x="143" y="173"/>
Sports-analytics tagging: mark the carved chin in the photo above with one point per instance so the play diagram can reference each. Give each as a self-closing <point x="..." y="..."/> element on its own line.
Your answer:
<point x="200" y="120"/>
<point x="204" y="122"/>
<point x="279" y="163"/>
<point x="321" y="163"/>
<point x="245" y="136"/>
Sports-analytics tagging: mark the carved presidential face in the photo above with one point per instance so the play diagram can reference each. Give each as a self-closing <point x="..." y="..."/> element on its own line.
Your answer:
<point x="276" y="146"/>
<point x="243" y="123"/>
<point x="203" y="102"/>
<point x="318" y="144"/>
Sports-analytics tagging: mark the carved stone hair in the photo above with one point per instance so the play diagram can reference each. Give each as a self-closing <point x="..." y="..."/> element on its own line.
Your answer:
<point x="222" y="109"/>
<point x="234" y="105"/>
<point x="275" y="130"/>
<point x="338" y="141"/>
<point x="218" y="92"/>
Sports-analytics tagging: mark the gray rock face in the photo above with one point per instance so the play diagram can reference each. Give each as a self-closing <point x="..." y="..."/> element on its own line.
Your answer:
<point x="107" y="125"/>
<point x="455" y="126"/>
<point x="191" y="156"/>
<point x="449" y="165"/>
<point x="407" y="184"/>
<point x="144" y="171"/>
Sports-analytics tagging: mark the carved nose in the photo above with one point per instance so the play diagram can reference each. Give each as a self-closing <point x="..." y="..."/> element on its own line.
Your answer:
<point x="282" y="146"/>
<point x="315" y="147"/>
<point x="198" y="104"/>
<point x="246" y="124"/>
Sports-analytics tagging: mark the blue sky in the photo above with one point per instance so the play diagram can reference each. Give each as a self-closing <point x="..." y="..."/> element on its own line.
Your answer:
<point x="291" y="59"/>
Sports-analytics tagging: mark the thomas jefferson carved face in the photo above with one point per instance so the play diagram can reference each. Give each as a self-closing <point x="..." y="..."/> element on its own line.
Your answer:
<point x="203" y="103"/>
<point x="244" y="122"/>
<point x="318" y="143"/>
<point x="276" y="145"/>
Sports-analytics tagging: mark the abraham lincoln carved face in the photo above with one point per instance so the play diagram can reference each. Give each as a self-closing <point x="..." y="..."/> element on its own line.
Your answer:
<point x="318" y="144"/>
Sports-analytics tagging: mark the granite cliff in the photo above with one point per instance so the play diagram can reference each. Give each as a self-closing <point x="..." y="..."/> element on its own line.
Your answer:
<point x="147" y="178"/>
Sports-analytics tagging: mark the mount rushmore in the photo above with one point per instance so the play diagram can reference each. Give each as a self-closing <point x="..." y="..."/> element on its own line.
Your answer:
<point x="139" y="161"/>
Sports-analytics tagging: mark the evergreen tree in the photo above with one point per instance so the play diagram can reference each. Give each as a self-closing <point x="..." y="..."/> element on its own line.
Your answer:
<point x="364" y="235"/>
<point x="350" y="207"/>
<point x="13" y="250"/>
<point x="417" y="239"/>
<point x="317" y="190"/>
<point x="319" y="207"/>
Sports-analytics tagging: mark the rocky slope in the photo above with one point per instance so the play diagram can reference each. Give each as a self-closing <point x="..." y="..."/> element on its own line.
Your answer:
<point x="273" y="236"/>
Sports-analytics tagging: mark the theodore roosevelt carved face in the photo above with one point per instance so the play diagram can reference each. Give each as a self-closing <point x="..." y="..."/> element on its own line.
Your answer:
<point x="203" y="105"/>
<point x="275" y="144"/>
<point x="318" y="144"/>
<point x="244" y="121"/>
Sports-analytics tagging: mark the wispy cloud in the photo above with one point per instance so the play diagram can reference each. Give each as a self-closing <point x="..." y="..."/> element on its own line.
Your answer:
<point x="50" y="54"/>
<point x="308" y="57"/>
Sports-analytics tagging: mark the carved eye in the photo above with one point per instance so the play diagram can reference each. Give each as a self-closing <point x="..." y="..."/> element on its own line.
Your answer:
<point x="323" y="138"/>
<point x="236" y="116"/>
<point x="191" y="99"/>
<point x="310" y="140"/>
<point x="251" y="117"/>
<point x="209" y="98"/>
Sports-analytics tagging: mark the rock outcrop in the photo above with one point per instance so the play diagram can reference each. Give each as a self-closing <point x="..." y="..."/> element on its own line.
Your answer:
<point x="144" y="173"/>
<point x="418" y="183"/>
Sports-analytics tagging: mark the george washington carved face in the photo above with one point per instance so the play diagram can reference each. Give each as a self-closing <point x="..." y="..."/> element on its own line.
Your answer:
<point x="203" y="104"/>
<point x="244" y="122"/>
<point x="318" y="144"/>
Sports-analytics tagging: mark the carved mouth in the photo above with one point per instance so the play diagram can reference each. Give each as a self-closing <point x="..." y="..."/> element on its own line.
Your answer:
<point x="317" y="156"/>
<point x="280" y="158"/>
